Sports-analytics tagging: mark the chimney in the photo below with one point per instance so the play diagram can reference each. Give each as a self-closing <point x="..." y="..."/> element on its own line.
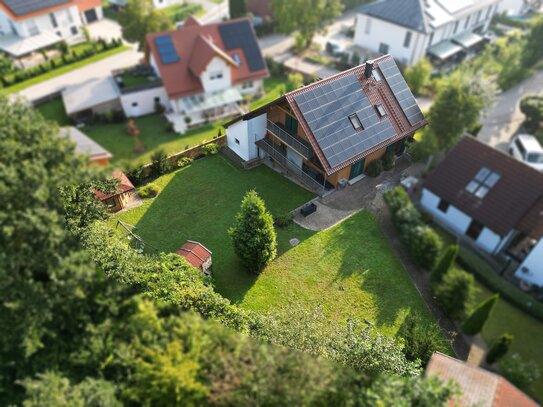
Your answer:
<point x="369" y="69"/>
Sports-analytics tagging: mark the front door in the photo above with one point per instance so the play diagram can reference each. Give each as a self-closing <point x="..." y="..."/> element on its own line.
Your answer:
<point x="356" y="169"/>
<point x="91" y="16"/>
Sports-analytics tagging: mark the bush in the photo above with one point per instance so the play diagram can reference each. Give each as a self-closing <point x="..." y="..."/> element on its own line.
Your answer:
<point x="396" y="199"/>
<point x="423" y="148"/>
<point x="422" y="339"/>
<point x="455" y="293"/>
<point x="283" y="220"/>
<point x="425" y="246"/>
<point x="159" y="107"/>
<point x="149" y="191"/>
<point x="521" y="374"/>
<point x="499" y="348"/>
<point x="389" y="161"/>
<point x="407" y="219"/>
<point x="445" y="263"/>
<point x="418" y="76"/>
<point x="210" y="149"/>
<point x="184" y="162"/>
<point x="136" y="174"/>
<point x="532" y="107"/>
<point x="475" y="322"/>
<point x="160" y="164"/>
<point x="374" y="168"/>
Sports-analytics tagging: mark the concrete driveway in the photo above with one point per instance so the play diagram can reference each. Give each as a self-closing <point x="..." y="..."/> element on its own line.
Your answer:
<point x="503" y="119"/>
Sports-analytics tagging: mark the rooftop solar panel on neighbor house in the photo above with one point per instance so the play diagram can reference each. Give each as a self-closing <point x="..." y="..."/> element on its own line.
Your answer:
<point x="401" y="91"/>
<point x="326" y="109"/>
<point x="23" y="7"/>
<point x="166" y="49"/>
<point x="240" y="35"/>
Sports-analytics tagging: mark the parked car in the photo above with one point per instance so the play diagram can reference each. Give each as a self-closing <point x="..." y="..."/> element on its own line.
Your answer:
<point x="526" y="148"/>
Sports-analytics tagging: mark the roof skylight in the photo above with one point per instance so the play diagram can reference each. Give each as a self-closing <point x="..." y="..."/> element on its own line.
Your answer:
<point x="483" y="182"/>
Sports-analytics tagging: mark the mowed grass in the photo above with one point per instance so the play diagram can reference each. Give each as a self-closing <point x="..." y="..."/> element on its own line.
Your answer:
<point x="200" y="203"/>
<point x="350" y="270"/>
<point x="54" y="111"/>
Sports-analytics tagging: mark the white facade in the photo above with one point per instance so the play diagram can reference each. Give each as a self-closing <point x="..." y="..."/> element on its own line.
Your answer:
<point x="511" y="7"/>
<point x="408" y="46"/>
<point x="459" y="222"/>
<point x="531" y="269"/>
<point x="142" y="102"/>
<point x="242" y="136"/>
<point x="217" y="75"/>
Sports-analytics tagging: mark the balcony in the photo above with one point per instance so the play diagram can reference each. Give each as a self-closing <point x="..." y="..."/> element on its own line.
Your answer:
<point x="280" y="158"/>
<point x="296" y="143"/>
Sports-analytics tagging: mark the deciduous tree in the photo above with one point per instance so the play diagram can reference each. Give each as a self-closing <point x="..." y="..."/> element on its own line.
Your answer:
<point x="418" y="76"/>
<point x="139" y="18"/>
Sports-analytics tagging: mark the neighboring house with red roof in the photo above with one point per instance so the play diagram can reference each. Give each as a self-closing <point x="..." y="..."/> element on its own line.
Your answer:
<point x="27" y="26"/>
<point x="120" y="198"/>
<point x="207" y="70"/>
<point x="492" y="199"/>
<point x="328" y="132"/>
<point x="479" y="387"/>
<point x="197" y="255"/>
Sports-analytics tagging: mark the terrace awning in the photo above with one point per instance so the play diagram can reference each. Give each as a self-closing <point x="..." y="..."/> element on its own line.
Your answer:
<point x="467" y="39"/>
<point x="198" y="103"/>
<point x="444" y="50"/>
<point x="18" y="46"/>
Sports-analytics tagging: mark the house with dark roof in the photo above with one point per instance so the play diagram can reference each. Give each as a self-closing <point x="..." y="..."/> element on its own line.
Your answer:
<point x="493" y="200"/>
<point x="207" y="70"/>
<point x="478" y="386"/>
<point x="27" y="26"/>
<point x="443" y="30"/>
<point x="328" y="132"/>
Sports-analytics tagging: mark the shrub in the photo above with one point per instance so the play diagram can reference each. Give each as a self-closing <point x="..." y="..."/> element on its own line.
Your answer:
<point x="425" y="246"/>
<point x="283" y="220"/>
<point x="407" y="219"/>
<point x="532" y="107"/>
<point x="149" y="191"/>
<point x="499" y="348"/>
<point x="422" y="339"/>
<point x="210" y="149"/>
<point x="159" y="107"/>
<point x="418" y="76"/>
<point x="253" y="235"/>
<point x="521" y="374"/>
<point x="396" y="199"/>
<point x="424" y="147"/>
<point x="445" y="263"/>
<point x="475" y="322"/>
<point x="389" y="161"/>
<point x="136" y="174"/>
<point x="170" y="128"/>
<point x="160" y="164"/>
<point x="184" y="162"/>
<point x="455" y="292"/>
<point x="374" y="168"/>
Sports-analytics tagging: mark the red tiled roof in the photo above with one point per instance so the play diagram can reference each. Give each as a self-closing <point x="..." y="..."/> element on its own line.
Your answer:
<point x="124" y="186"/>
<point x="203" y="52"/>
<point x="178" y="78"/>
<point x="195" y="253"/>
<point x="516" y="201"/>
<point x="479" y="387"/>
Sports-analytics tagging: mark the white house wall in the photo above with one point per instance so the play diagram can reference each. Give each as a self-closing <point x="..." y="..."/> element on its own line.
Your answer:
<point x="215" y="66"/>
<point x="66" y="19"/>
<point x="531" y="269"/>
<point x="254" y="88"/>
<point x="144" y="101"/>
<point x="242" y="136"/>
<point x="510" y="7"/>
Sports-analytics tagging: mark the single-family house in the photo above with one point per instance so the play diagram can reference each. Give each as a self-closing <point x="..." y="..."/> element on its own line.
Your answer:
<point x="29" y="25"/>
<point x="516" y="7"/>
<point x="443" y="30"/>
<point x="197" y="255"/>
<point x="327" y="133"/>
<point x="97" y="154"/>
<point x="478" y="386"/>
<point x="487" y="197"/>
<point x="121" y="197"/>
<point x="207" y="70"/>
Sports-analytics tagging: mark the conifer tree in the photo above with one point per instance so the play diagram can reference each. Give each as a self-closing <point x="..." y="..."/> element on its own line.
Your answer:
<point x="475" y="322"/>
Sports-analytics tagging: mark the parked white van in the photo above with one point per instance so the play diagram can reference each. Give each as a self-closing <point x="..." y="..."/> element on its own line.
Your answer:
<point x="526" y="148"/>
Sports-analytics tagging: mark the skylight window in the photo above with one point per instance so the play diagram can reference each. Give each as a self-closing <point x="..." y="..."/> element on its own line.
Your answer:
<point x="236" y="59"/>
<point x="355" y="121"/>
<point x="483" y="182"/>
<point x="380" y="110"/>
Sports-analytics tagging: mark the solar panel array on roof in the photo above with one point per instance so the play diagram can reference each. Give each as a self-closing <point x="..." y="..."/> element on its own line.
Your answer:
<point x="240" y="35"/>
<point x="401" y="91"/>
<point x="166" y="49"/>
<point x="22" y="7"/>
<point x="326" y="109"/>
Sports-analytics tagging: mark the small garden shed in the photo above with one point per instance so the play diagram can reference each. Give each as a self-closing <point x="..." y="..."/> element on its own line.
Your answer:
<point x="197" y="255"/>
<point x="120" y="198"/>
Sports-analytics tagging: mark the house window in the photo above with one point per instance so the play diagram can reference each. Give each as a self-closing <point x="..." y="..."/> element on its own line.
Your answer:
<point x="474" y="230"/>
<point x="443" y="206"/>
<point x="53" y="19"/>
<point x="69" y="15"/>
<point x="291" y="124"/>
<point x="431" y="39"/>
<point x="73" y="30"/>
<point x="455" y="27"/>
<point x="355" y="121"/>
<point x="32" y="28"/>
<point x="247" y="85"/>
<point x="236" y="59"/>
<point x="134" y="104"/>
<point x="380" y="110"/>
<point x="367" y="30"/>
<point x="237" y="141"/>
<point x="215" y="75"/>
<point x="407" y="39"/>
<point x="383" y="48"/>
<point x="467" y="22"/>
<point x="157" y="99"/>
<point x="482" y="183"/>
<point x="479" y="15"/>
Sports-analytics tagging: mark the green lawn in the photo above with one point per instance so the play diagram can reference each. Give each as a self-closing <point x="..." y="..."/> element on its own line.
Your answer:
<point x="179" y="12"/>
<point x="350" y="269"/>
<point x="273" y="87"/>
<point x="54" y="110"/>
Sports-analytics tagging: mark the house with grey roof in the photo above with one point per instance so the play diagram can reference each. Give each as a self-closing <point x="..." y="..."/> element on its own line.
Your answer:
<point x="86" y="146"/>
<point x="444" y="30"/>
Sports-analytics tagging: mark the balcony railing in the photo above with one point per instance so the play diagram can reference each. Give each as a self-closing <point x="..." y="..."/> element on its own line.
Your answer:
<point x="280" y="158"/>
<point x="292" y="141"/>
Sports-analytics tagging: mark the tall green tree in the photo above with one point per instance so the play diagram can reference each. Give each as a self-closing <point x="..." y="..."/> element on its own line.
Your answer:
<point x="533" y="51"/>
<point x="139" y="18"/>
<point x="305" y="17"/>
<point x="237" y="8"/>
<point x="476" y="321"/>
<point x="455" y="292"/>
<point x="499" y="348"/>
<point x="253" y="235"/>
<point x="418" y="76"/>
